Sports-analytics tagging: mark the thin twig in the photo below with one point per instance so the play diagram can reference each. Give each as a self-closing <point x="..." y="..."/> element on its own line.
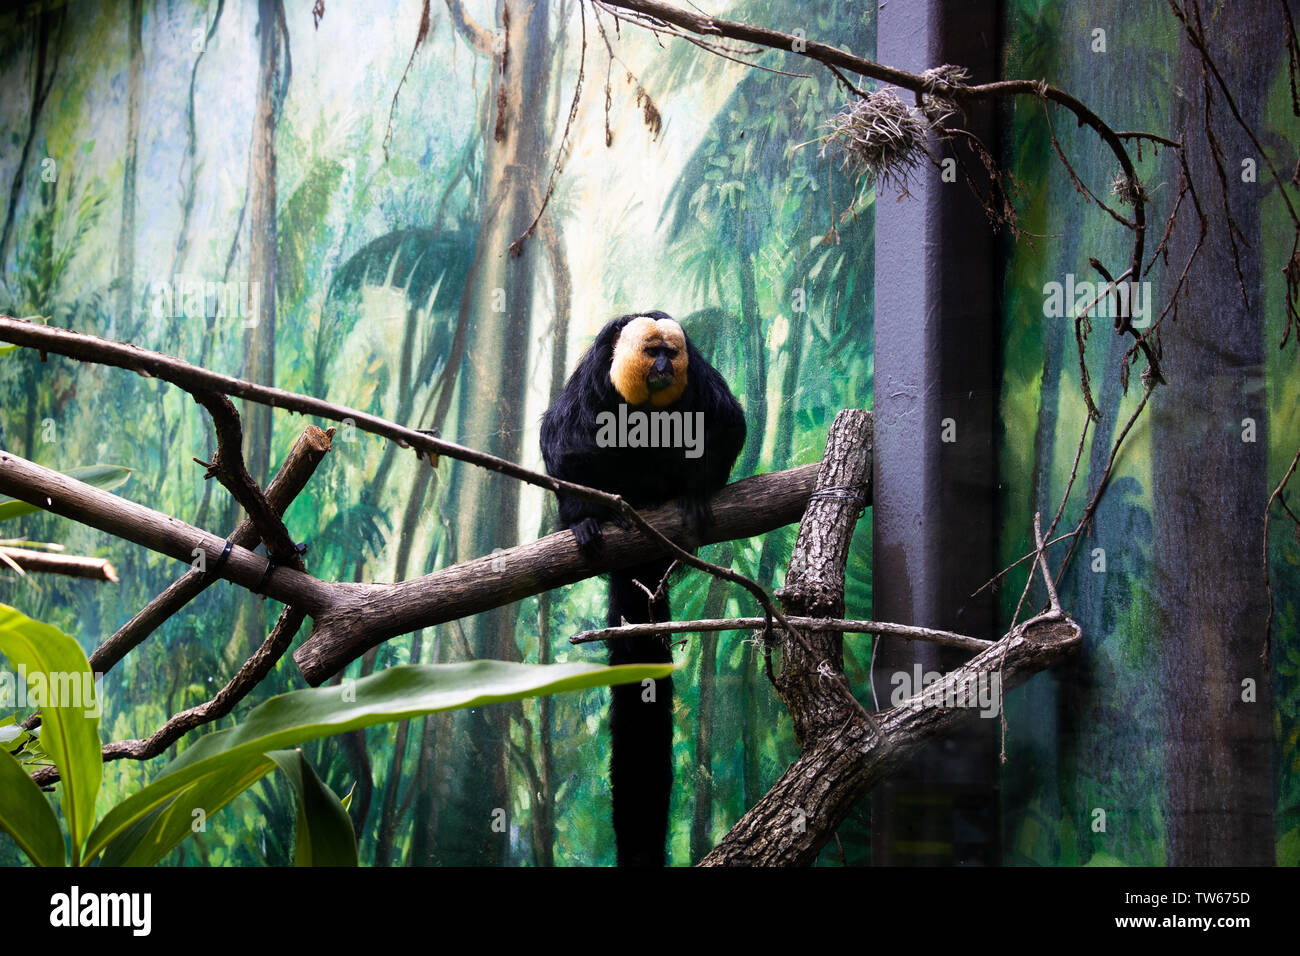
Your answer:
<point x="1042" y="563"/>
<point x="657" y="12"/>
<point x="1268" y="577"/>
<point x="1086" y="519"/>
<point x="811" y="624"/>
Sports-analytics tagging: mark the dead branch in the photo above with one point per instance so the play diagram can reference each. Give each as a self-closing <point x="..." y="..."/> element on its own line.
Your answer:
<point x="125" y="519"/>
<point x="904" y="631"/>
<point x="845" y="749"/>
<point x="369" y="614"/>
<point x="298" y="467"/>
<point x="228" y="467"/>
<point x="797" y="816"/>
<point x="288" y="483"/>
<point x="252" y="673"/>
<point x="941" y="87"/>
<point x="43" y="562"/>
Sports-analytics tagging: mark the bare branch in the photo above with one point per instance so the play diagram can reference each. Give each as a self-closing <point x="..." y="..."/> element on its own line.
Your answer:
<point x="906" y="632"/>
<point x="298" y="467"/>
<point x="830" y="777"/>
<point x="71" y="565"/>
<point x="922" y="85"/>
<point x="228" y="467"/>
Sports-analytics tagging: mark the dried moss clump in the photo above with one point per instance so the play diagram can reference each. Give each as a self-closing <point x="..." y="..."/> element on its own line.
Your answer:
<point x="880" y="137"/>
<point x="1125" y="191"/>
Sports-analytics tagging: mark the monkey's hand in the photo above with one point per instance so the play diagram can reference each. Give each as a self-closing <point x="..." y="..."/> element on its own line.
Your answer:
<point x="590" y="541"/>
<point x="587" y="532"/>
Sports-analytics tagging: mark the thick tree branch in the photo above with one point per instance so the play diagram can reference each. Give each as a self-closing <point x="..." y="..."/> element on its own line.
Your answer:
<point x="352" y="618"/>
<point x="199" y="381"/>
<point x="369" y="614"/>
<point x="125" y="519"/>
<point x="792" y="822"/>
<point x="845" y="749"/>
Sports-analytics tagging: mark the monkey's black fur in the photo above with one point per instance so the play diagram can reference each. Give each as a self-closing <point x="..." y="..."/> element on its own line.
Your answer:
<point x="641" y="731"/>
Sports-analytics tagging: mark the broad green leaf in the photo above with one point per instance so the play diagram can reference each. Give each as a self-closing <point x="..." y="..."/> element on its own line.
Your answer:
<point x="398" y="693"/>
<point x="13" y="738"/>
<point x="103" y="477"/>
<point x="163" y="828"/>
<point x="69" y="734"/>
<point x="325" y="834"/>
<point x="27" y="816"/>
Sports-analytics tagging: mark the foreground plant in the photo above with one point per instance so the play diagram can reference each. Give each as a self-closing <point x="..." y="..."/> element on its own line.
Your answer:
<point x="142" y="829"/>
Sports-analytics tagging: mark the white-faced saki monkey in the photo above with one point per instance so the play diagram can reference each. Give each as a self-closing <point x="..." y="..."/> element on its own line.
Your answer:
<point x="646" y="417"/>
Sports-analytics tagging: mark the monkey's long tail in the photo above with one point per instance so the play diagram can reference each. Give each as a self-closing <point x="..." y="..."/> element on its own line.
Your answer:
<point x="640" y="721"/>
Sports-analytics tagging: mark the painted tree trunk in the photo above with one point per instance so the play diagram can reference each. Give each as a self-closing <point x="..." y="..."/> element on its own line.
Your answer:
<point x="484" y="507"/>
<point x="1210" y="483"/>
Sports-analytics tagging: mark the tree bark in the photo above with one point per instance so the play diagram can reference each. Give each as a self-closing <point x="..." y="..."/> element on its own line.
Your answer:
<point x="845" y="751"/>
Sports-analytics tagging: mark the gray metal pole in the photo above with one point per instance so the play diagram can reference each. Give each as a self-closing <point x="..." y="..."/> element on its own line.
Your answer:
<point x="937" y="322"/>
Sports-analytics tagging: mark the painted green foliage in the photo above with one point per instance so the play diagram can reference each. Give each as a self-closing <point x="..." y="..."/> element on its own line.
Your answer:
<point x="1089" y="736"/>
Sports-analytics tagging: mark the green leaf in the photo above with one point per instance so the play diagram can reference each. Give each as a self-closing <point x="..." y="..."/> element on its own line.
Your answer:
<point x="325" y="834"/>
<point x="103" y="477"/>
<point x="159" y="831"/>
<point x="68" y="733"/>
<point x="27" y="816"/>
<point x="398" y="693"/>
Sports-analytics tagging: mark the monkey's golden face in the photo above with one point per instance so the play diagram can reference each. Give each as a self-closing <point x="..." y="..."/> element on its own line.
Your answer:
<point x="649" y="365"/>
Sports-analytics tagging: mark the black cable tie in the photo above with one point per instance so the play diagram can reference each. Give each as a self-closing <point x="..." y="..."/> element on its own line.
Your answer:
<point x="213" y="571"/>
<point x="266" y="576"/>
